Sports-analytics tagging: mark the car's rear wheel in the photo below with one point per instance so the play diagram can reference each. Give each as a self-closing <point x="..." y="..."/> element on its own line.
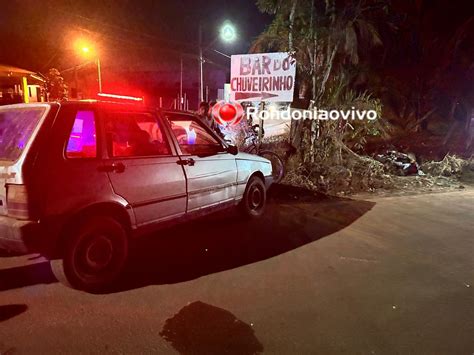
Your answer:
<point x="94" y="255"/>
<point x="255" y="197"/>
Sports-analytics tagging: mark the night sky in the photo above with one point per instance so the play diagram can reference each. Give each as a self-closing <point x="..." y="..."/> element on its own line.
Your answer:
<point x="39" y="34"/>
<point x="140" y="40"/>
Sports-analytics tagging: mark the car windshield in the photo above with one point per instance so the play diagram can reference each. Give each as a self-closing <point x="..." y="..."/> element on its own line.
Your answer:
<point x="16" y="127"/>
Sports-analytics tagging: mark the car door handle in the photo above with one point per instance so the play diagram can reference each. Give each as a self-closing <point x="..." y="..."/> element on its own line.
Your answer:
<point x="115" y="167"/>
<point x="189" y="162"/>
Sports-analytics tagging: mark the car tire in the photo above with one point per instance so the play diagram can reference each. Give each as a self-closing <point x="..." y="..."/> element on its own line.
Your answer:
<point x="255" y="197"/>
<point x="94" y="256"/>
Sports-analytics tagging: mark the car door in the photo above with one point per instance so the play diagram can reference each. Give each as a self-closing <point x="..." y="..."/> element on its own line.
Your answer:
<point x="142" y="166"/>
<point x="68" y="175"/>
<point x="211" y="172"/>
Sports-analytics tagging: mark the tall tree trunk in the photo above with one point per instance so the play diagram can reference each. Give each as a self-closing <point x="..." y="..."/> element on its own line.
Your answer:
<point x="292" y="23"/>
<point x="314" y="125"/>
<point x="293" y="126"/>
<point x="322" y="88"/>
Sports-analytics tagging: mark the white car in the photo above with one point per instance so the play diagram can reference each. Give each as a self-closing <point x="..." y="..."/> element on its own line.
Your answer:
<point x="78" y="180"/>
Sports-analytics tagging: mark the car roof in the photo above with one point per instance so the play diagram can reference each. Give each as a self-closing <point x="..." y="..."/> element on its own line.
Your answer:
<point x="106" y="104"/>
<point x="165" y="111"/>
<point x="102" y="103"/>
<point x="127" y="105"/>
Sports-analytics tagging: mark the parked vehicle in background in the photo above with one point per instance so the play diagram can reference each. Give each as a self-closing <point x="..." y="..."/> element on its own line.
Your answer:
<point x="79" y="180"/>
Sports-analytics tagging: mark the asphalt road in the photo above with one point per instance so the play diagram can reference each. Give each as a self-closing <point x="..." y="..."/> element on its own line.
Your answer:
<point x="391" y="275"/>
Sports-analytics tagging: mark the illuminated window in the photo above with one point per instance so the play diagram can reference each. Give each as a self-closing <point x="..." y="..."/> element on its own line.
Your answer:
<point x="82" y="140"/>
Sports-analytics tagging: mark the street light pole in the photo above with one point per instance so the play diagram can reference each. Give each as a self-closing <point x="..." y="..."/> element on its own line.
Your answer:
<point x="227" y="34"/>
<point x="87" y="50"/>
<point x="181" y="102"/>
<point x="99" y="74"/>
<point x="75" y="82"/>
<point x="201" y="60"/>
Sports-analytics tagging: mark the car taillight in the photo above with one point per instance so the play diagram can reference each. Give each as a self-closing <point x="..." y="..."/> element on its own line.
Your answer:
<point x="17" y="201"/>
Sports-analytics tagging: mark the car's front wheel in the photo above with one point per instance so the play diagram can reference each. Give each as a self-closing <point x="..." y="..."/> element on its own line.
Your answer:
<point x="255" y="197"/>
<point x="94" y="255"/>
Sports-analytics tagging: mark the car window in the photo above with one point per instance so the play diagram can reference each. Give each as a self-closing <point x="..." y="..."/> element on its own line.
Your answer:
<point x="135" y="134"/>
<point x="192" y="136"/>
<point x="82" y="141"/>
<point x="16" y="127"/>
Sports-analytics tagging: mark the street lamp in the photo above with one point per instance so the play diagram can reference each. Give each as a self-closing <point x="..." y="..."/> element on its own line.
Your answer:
<point x="87" y="51"/>
<point x="228" y="33"/>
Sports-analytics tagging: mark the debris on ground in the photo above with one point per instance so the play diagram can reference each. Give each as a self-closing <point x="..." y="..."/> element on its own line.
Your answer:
<point x="451" y="165"/>
<point x="362" y="174"/>
<point x="398" y="163"/>
<point x="367" y="175"/>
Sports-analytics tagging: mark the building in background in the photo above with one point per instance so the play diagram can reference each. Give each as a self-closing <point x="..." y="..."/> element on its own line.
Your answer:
<point x="20" y="86"/>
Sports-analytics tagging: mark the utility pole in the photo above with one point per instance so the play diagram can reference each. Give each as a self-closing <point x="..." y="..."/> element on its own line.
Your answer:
<point x="201" y="60"/>
<point x="99" y="74"/>
<point x="181" y="85"/>
<point x="75" y="82"/>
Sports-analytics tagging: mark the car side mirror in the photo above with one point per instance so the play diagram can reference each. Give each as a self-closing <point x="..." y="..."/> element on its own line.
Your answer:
<point x="232" y="149"/>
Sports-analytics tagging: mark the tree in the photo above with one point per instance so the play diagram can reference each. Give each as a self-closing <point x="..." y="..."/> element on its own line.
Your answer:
<point x="57" y="89"/>
<point x="331" y="42"/>
<point x="426" y="65"/>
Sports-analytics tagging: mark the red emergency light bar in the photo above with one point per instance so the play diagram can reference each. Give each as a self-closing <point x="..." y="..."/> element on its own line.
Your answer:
<point x="120" y="97"/>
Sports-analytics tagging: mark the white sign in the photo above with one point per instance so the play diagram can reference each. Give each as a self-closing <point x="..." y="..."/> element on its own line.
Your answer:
<point x="226" y="92"/>
<point x="262" y="77"/>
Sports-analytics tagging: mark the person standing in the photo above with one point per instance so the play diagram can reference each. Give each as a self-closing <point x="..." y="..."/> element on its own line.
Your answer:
<point x="204" y="114"/>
